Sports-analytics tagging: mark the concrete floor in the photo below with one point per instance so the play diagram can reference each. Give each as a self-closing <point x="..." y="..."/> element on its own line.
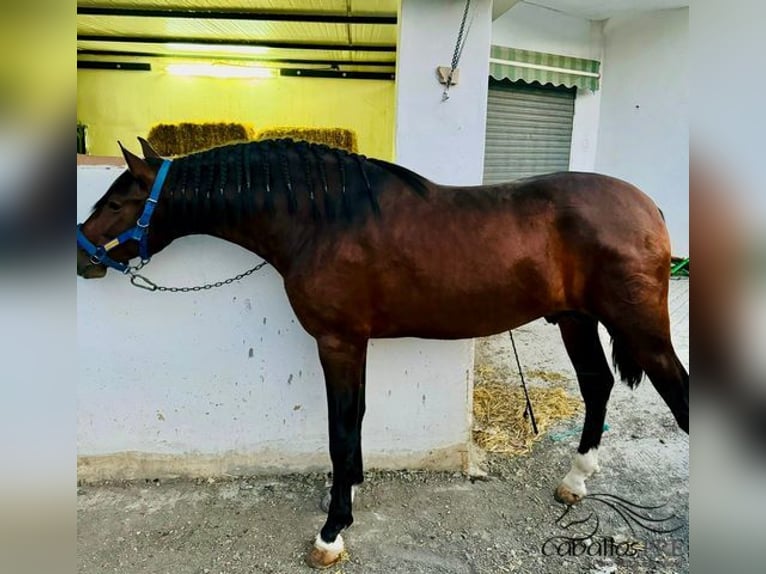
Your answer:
<point x="425" y="522"/>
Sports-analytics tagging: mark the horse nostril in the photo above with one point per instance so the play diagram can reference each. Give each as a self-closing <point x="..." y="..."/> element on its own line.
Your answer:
<point x="86" y="268"/>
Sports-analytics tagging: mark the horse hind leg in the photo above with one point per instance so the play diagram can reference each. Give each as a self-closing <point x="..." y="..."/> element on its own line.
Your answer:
<point x="650" y="350"/>
<point x="635" y="312"/>
<point x="580" y="335"/>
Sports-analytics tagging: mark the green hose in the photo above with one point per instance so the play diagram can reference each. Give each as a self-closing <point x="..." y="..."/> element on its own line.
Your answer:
<point x="680" y="268"/>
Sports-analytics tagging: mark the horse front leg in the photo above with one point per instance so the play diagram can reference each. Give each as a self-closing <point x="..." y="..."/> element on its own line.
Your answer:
<point x="343" y="364"/>
<point x="358" y="471"/>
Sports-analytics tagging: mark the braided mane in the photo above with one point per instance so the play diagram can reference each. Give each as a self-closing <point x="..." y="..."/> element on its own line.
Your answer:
<point x="303" y="178"/>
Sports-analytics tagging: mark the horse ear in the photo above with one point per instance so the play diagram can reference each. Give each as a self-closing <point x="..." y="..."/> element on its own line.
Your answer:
<point x="138" y="168"/>
<point x="149" y="151"/>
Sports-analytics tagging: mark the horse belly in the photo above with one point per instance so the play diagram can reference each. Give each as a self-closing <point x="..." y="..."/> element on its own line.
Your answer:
<point x="464" y="305"/>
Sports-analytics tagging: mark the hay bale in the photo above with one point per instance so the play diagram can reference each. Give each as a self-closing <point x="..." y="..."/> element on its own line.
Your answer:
<point x="498" y="409"/>
<point x="341" y="138"/>
<point x="188" y="137"/>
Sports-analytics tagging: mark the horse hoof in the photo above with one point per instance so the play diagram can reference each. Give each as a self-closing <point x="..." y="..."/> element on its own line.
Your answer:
<point x="325" y="554"/>
<point x="567" y="496"/>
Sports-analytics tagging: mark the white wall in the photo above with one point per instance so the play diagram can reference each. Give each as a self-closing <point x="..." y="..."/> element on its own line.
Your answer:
<point x="644" y="64"/>
<point x="227" y="381"/>
<point x="644" y="124"/>
<point x="530" y="27"/>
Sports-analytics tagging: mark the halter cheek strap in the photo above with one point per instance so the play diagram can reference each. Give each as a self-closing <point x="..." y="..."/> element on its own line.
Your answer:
<point x="139" y="232"/>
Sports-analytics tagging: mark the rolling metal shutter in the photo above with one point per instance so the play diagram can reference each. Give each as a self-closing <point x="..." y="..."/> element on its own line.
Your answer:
<point x="529" y="130"/>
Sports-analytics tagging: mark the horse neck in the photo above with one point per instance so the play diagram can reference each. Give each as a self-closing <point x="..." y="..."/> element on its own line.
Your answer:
<point x="273" y="235"/>
<point x="272" y="198"/>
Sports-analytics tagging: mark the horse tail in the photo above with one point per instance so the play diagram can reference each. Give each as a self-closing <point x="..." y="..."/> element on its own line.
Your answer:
<point x="630" y="371"/>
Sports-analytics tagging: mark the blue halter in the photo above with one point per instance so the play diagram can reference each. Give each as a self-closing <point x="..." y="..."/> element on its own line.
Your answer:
<point x="139" y="232"/>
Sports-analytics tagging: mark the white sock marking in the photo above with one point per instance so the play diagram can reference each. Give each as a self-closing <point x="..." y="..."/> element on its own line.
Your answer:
<point x="583" y="466"/>
<point x="335" y="547"/>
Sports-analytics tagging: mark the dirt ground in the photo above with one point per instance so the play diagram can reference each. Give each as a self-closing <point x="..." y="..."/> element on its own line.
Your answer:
<point x="428" y="522"/>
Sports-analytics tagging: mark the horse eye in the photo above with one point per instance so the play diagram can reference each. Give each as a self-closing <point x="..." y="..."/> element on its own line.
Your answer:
<point x="114" y="206"/>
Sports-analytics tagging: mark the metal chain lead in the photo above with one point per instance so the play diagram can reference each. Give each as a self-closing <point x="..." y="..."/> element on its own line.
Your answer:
<point x="142" y="282"/>
<point x="459" y="43"/>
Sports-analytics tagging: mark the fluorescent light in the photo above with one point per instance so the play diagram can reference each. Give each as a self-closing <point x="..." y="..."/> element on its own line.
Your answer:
<point x="220" y="71"/>
<point x="232" y="49"/>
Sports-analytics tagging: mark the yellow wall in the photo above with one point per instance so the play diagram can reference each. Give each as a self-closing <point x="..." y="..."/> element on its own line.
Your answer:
<point x="122" y="105"/>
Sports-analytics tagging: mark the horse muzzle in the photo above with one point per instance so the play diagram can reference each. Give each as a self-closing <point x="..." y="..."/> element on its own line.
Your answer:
<point x="87" y="269"/>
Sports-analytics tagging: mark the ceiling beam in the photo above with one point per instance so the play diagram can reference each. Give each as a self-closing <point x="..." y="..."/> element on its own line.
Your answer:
<point x="236" y="15"/>
<point x="237" y="42"/>
<point x="100" y="65"/>
<point x="291" y="72"/>
<point x="223" y="56"/>
<point x="500" y="7"/>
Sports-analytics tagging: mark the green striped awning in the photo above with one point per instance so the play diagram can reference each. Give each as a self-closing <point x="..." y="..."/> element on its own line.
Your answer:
<point x="528" y="66"/>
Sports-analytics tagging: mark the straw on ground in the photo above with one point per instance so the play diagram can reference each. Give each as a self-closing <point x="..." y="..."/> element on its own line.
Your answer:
<point x="498" y="406"/>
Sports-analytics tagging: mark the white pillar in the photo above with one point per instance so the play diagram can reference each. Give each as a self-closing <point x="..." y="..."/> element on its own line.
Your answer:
<point x="443" y="141"/>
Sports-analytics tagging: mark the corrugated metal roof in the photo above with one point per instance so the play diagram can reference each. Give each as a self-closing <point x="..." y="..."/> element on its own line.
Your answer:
<point x="342" y="34"/>
<point x="237" y="29"/>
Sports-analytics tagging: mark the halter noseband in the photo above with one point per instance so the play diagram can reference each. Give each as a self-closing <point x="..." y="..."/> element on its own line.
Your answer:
<point x="139" y="232"/>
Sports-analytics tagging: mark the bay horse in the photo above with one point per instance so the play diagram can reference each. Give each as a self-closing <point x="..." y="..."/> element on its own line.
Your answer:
<point x="370" y="249"/>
